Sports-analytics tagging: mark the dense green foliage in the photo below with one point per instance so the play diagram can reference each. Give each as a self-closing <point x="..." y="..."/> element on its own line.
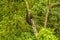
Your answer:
<point x="46" y="34"/>
<point x="13" y="25"/>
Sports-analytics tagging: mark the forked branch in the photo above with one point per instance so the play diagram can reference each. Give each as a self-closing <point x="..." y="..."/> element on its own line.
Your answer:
<point x="49" y="6"/>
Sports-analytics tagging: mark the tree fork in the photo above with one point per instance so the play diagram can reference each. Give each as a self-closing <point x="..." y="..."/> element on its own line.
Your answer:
<point x="49" y="6"/>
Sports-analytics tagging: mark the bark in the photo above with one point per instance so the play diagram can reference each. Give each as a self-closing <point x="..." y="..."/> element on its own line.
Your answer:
<point x="33" y="24"/>
<point x="47" y="13"/>
<point x="49" y="6"/>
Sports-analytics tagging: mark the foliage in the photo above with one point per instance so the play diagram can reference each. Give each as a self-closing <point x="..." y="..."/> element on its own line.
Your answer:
<point x="46" y="34"/>
<point x="14" y="27"/>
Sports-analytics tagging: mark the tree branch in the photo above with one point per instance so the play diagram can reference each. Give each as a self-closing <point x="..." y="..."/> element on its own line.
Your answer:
<point x="33" y="24"/>
<point x="47" y="13"/>
<point x="55" y="5"/>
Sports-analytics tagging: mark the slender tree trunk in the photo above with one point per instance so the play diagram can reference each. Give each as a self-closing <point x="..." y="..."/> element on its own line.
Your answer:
<point x="47" y="13"/>
<point x="33" y="24"/>
<point x="34" y="28"/>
